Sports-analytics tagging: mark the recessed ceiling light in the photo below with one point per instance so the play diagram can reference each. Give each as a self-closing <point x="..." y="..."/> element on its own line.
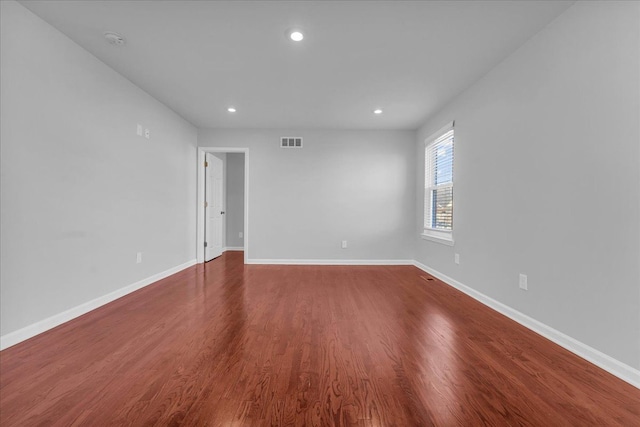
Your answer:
<point x="294" y="34"/>
<point x="231" y="110"/>
<point x="114" y="38"/>
<point x="377" y="111"/>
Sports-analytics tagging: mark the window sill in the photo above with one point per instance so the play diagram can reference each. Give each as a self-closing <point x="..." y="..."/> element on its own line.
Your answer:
<point x="442" y="239"/>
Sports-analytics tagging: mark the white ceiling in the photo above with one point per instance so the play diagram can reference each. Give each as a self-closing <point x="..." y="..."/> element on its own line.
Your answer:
<point x="199" y="57"/>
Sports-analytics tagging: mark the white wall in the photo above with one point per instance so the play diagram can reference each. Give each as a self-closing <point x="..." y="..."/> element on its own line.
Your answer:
<point x="235" y="200"/>
<point x="548" y="179"/>
<point x="357" y="186"/>
<point x="80" y="192"/>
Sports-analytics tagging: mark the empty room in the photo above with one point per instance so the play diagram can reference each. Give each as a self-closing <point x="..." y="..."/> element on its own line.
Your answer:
<point x="319" y="213"/>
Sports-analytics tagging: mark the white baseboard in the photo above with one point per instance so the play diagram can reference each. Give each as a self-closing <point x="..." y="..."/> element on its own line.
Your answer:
<point x="233" y="248"/>
<point x="608" y="363"/>
<point x="332" y="261"/>
<point x="34" y="329"/>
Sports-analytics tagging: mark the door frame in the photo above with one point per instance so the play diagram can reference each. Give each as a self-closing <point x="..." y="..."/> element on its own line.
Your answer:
<point x="201" y="198"/>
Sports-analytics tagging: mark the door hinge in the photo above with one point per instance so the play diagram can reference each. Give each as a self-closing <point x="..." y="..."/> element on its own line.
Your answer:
<point x="205" y="244"/>
<point x="206" y="205"/>
<point x="206" y="164"/>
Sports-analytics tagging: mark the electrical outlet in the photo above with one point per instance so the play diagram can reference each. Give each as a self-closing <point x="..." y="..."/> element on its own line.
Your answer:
<point x="241" y="234"/>
<point x="147" y="133"/>
<point x="344" y="244"/>
<point x="456" y="258"/>
<point x="139" y="130"/>
<point x="138" y="257"/>
<point x="523" y="282"/>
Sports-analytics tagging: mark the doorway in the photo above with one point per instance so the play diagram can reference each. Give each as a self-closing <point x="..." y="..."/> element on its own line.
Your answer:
<point x="223" y="202"/>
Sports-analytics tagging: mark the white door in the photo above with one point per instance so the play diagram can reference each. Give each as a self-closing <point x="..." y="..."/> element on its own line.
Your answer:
<point x="214" y="207"/>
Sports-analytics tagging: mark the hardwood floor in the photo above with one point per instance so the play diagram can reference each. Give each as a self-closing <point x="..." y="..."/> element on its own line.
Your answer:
<point x="232" y="345"/>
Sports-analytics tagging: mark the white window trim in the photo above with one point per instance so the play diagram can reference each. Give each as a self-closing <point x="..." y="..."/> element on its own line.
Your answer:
<point x="445" y="239"/>
<point x="438" y="236"/>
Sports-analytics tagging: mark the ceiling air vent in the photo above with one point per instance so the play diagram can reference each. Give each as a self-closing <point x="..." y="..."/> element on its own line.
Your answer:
<point x="290" y="142"/>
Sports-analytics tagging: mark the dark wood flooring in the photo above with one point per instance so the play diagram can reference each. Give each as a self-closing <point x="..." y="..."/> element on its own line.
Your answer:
<point x="226" y="344"/>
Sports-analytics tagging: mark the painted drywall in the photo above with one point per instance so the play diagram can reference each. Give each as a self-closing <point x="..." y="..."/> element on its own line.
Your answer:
<point x="357" y="186"/>
<point x="81" y="193"/>
<point x="547" y="179"/>
<point x="235" y="200"/>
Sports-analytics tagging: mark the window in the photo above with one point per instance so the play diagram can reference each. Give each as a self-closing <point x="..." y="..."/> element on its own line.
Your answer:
<point x="438" y="186"/>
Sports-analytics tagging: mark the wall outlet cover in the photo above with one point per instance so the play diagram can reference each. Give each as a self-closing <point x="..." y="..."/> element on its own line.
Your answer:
<point x="523" y="282"/>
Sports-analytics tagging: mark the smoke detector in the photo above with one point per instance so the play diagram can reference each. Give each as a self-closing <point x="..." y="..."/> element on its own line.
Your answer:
<point x="114" y="39"/>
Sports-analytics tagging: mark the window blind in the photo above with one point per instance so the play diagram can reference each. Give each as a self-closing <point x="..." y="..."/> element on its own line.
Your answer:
<point x="438" y="197"/>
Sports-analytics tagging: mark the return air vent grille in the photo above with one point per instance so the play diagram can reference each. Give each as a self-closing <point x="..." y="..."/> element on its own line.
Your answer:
<point x="290" y="142"/>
